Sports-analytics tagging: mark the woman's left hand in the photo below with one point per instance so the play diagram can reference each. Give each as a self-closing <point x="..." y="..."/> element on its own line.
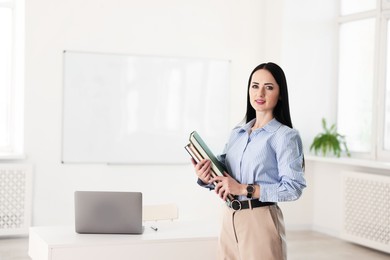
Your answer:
<point x="227" y="185"/>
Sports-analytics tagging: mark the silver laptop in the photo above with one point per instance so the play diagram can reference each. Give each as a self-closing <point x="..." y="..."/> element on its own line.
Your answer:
<point x="106" y="212"/>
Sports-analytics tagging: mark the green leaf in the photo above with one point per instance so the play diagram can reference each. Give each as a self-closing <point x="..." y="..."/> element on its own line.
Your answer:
<point x="329" y="141"/>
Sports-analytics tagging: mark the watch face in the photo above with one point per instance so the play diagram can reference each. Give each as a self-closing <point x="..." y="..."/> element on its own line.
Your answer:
<point x="250" y="189"/>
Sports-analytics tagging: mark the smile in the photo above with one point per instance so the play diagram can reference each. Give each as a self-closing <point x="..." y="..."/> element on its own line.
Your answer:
<point x="260" y="101"/>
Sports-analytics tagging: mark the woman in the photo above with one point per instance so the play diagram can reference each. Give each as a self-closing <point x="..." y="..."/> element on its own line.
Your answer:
<point x="265" y="163"/>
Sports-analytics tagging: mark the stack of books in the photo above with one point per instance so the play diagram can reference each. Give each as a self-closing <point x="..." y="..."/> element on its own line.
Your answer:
<point x="198" y="150"/>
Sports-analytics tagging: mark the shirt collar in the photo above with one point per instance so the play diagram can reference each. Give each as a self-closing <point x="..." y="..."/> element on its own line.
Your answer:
<point x="271" y="126"/>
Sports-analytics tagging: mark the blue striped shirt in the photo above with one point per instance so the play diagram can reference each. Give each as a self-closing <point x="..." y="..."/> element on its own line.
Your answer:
<point x="270" y="156"/>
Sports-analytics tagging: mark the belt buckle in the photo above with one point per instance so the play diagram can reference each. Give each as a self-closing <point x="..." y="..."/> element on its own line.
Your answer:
<point x="236" y="205"/>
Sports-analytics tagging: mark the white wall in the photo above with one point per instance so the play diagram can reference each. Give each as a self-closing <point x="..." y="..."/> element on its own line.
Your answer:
<point x="202" y="28"/>
<point x="309" y="54"/>
<point x="300" y="35"/>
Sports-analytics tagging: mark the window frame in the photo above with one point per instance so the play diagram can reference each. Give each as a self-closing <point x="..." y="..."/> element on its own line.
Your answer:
<point x="16" y="148"/>
<point x="353" y="18"/>
<point x="381" y="15"/>
<point x="382" y="154"/>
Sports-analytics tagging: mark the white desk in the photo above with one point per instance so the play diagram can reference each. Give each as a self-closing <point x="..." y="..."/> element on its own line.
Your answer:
<point x="173" y="240"/>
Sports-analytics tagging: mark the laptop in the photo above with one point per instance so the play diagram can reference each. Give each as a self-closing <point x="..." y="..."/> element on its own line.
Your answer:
<point x="107" y="212"/>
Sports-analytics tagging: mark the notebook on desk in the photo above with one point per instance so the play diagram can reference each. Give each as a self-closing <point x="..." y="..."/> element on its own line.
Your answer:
<point x="106" y="212"/>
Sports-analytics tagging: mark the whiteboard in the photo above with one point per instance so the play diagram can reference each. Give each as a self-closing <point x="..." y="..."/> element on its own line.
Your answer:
<point x="134" y="109"/>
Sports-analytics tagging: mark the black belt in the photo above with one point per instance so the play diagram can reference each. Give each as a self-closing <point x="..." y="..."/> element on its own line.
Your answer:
<point x="247" y="204"/>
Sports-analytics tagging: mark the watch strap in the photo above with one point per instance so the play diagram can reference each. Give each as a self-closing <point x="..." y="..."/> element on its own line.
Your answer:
<point x="250" y="190"/>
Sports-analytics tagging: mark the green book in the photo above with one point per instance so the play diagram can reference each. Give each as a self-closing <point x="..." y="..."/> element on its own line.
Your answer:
<point x="206" y="153"/>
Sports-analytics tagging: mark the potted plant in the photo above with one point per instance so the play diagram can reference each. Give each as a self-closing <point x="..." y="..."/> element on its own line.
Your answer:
<point x="329" y="141"/>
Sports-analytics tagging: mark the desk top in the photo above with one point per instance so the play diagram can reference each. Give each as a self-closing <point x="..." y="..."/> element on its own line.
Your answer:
<point x="63" y="236"/>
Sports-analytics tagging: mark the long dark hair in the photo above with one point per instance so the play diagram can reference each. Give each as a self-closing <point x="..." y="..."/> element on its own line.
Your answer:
<point x="282" y="109"/>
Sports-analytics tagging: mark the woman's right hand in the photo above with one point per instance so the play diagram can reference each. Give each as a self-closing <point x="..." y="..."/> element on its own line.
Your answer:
<point x="203" y="169"/>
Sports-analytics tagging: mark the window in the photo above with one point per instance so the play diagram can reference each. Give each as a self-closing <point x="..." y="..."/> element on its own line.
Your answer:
<point x="11" y="78"/>
<point x="356" y="66"/>
<point x="364" y="77"/>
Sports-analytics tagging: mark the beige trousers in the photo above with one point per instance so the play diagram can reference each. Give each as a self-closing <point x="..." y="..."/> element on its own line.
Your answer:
<point x="252" y="234"/>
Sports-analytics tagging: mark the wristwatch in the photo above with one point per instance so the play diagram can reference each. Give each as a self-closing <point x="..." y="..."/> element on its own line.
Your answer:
<point x="250" y="189"/>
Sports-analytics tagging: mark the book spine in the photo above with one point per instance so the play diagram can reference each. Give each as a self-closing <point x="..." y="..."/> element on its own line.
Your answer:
<point x="206" y="156"/>
<point x="207" y="150"/>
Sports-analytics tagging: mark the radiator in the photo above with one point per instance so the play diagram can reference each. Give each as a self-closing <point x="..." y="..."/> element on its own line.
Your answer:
<point x="366" y="210"/>
<point x="15" y="199"/>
